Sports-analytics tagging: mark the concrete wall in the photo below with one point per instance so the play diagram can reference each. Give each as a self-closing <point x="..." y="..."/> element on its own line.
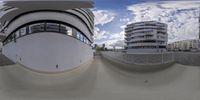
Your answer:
<point x="154" y="50"/>
<point x="43" y="51"/>
<point x="140" y="61"/>
<point x="184" y="58"/>
<point x="187" y="58"/>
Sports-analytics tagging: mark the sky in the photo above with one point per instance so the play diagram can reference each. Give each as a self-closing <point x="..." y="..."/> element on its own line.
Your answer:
<point x="111" y="17"/>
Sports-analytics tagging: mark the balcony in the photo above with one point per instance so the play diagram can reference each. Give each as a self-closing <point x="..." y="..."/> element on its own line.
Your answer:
<point x="142" y="34"/>
<point x="143" y="27"/>
<point x="147" y="44"/>
<point x="141" y="39"/>
<point x="127" y="38"/>
<point x="143" y="30"/>
<point x="127" y="35"/>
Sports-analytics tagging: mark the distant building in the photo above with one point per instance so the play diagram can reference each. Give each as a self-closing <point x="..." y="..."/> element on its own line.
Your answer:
<point x="185" y="45"/>
<point x="146" y="37"/>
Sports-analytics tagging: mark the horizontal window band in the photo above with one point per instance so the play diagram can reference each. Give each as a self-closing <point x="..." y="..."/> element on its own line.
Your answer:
<point x="65" y="12"/>
<point x="48" y="26"/>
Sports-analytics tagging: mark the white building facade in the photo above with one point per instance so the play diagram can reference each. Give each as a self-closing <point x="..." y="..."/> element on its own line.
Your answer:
<point x="185" y="45"/>
<point x="146" y="37"/>
<point x="48" y="36"/>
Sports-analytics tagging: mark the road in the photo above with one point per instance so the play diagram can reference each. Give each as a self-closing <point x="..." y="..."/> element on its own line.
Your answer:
<point x="100" y="80"/>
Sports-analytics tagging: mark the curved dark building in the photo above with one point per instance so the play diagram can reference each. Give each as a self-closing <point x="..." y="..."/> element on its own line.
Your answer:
<point x="48" y="36"/>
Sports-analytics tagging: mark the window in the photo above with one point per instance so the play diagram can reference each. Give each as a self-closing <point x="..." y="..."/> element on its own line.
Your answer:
<point x="9" y="39"/>
<point x="52" y="27"/>
<point x="23" y="31"/>
<point x="69" y="32"/>
<point x="66" y="30"/>
<point x="78" y="35"/>
<point x="86" y="40"/>
<point x="36" y="28"/>
<point x="63" y="29"/>
<point x="12" y="37"/>
<point x="17" y="34"/>
<point x="47" y="27"/>
<point x="81" y="37"/>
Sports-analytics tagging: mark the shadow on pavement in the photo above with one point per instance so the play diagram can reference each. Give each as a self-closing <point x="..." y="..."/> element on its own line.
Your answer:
<point x="19" y="82"/>
<point x="5" y="61"/>
<point x="144" y="79"/>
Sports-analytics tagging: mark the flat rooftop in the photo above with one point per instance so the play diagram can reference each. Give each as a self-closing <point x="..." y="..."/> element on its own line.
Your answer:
<point x="100" y="80"/>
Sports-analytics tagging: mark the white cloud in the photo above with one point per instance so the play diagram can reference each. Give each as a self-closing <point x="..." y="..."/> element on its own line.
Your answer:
<point x="119" y="36"/>
<point x="181" y="17"/>
<point x="181" y="4"/>
<point x="100" y="34"/>
<point x="112" y="42"/>
<point x="116" y="39"/>
<point x="110" y="39"/>
<point x="118" y="43"/>
<point x="103" y="17"/>
<point x="124" y="19"/>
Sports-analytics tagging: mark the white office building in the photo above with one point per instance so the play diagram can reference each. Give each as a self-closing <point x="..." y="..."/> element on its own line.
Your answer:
<point x="48" y="35"/>
<point x="146" y="37"/>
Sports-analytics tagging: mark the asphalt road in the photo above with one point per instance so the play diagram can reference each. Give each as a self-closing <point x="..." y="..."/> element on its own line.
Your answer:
<point x="100" y="80"/>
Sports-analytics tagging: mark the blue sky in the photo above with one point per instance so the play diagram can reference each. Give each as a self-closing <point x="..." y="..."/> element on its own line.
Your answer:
<point x="114" y="4"/>
<point x="111" y="16"/>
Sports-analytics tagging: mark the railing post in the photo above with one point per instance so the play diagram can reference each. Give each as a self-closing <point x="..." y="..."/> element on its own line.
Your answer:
<point x="162" y="58"/>
<point x="147" y="59"/>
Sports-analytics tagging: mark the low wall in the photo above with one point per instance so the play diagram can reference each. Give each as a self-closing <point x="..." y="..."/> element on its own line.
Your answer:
<point x="186" y="58"/>
<point x="140" y="61"/>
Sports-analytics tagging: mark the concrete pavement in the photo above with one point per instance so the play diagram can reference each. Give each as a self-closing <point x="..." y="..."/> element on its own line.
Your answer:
<point x="5" y="61"/>
<point x="100" y="80"/>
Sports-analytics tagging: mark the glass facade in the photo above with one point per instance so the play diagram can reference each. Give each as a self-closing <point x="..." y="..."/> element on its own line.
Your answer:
<point x="39" y="27"/>
<point x="22" y="31"/>
<point x="47" y="27"/>
<point x="52" y="27"/>
<point x="66" y="30"/>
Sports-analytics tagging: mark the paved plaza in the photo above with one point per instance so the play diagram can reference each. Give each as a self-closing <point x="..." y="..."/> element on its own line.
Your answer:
<point x="5" y="61"/>
<point x="100" y="80"/>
